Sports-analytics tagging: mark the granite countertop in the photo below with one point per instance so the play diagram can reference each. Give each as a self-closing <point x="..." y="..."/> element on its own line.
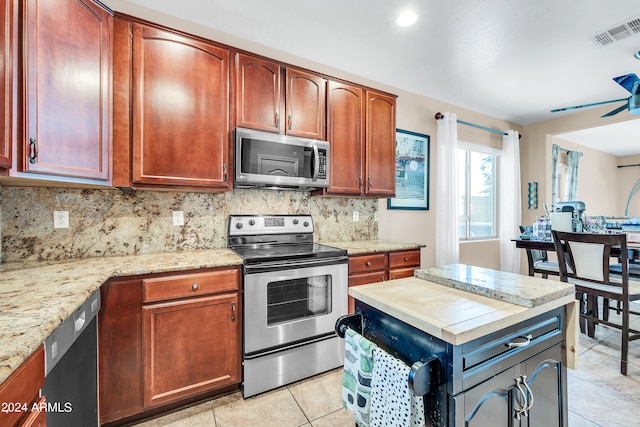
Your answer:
<point x="36" y="298"/>
<point x="514" y="288"/>
<point x="458" y="316"/>
<point x="369" y="246"/>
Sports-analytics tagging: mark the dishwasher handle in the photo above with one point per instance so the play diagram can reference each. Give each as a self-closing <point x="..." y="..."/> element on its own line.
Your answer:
<point x="80" y="320"/>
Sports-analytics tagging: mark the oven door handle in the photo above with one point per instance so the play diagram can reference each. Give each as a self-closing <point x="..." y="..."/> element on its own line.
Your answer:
<point x="291" y="264"/>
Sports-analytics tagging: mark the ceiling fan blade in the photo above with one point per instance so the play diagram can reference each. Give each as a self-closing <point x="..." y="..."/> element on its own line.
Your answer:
<point x="629" y="81"/>
<point x="575" y="107"/>
<point x="616" y="111"/>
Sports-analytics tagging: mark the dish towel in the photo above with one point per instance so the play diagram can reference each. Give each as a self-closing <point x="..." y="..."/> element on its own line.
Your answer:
<point x="356" y="379"/>
<point x="393" y="404"/>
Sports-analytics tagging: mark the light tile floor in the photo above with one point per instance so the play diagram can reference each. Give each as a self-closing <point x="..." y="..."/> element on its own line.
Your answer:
<point x="598" y="395"/>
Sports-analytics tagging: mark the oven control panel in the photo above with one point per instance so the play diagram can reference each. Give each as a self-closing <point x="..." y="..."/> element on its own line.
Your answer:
<point x="269" y="224"/>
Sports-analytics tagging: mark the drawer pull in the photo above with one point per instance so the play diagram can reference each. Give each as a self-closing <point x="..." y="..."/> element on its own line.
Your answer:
<point x="194" y="286"/>
<point x="406" y="259"/>
<point x="368" y="264"/>
<point x="520" y="341"/>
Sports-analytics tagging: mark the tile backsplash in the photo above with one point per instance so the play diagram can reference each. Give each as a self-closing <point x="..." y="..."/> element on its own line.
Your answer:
<point x="105" y="222"/>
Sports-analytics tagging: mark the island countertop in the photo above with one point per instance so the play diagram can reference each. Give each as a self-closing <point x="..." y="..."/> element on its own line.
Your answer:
<point x="458" y="316"/>
<point x="36" y="298"/>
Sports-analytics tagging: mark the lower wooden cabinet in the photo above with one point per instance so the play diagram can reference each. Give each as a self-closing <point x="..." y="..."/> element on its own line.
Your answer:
<point x="381" y="266"/>
<point x="20" y="393"/>
<point x="165" y="339"/>
<point x="189" y="346"/>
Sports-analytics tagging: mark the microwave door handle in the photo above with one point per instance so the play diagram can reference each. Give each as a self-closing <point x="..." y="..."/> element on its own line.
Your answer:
<point x="316" y="162"/>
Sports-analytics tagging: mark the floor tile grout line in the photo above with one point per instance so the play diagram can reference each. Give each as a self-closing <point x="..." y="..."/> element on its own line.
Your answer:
<point x="297" y="403"/>
<point x="586" y="419"/>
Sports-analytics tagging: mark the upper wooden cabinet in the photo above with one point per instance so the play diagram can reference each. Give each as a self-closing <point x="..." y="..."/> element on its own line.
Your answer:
<point x="261" y="104"/>
<point x="175" y="106"/>
<point x="361" y="130"/>
<point x="380" y="145"/>
<point x="7" y="26"/>
<point x="66" y="104"/>
<point x="345" y="132"/>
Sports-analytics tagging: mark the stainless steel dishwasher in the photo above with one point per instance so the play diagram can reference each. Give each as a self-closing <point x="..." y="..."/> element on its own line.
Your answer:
<point x="71" y="368"/>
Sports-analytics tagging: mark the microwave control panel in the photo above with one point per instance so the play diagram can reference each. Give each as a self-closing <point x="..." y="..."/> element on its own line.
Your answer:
<point x="322" y="169"/>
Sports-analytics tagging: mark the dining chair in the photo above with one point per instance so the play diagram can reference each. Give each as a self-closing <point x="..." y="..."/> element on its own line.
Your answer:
<point x="587" y="266"/>
<point x="538" y="260"/>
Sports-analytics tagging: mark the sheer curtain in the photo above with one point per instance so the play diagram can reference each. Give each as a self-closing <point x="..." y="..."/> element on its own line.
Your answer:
<point x="571" y="185"/>
<point x="447" y="246"/>
<point x="510" y="202"/>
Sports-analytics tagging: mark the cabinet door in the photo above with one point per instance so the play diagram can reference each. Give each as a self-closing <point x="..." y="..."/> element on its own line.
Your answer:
<point x="6" y="81"/>
<point x="119" y="349"/>
<point x="489" y="404"/>
<point x="345" y="133"/>
<point x="190" y="346"/>
<point x="258" y="94"/>
<point x="67" y="107"/>
<point x="547" y="379"/>
<point x="180" y="107"/>
<point x="305" y="104"/>
<point x="380" y="145"/>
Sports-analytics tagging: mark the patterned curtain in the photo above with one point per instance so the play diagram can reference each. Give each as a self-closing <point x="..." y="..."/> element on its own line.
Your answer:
<point x="554" y="176"/>
<point x="571" y="184"/>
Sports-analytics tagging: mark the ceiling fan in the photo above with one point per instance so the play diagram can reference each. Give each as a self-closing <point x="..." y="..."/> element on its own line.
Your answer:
<point x="630" y="82"/>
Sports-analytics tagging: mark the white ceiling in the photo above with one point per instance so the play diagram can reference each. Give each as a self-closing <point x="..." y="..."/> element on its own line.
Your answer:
<point x="511" y="59"/>
<point x="619" y="139"/>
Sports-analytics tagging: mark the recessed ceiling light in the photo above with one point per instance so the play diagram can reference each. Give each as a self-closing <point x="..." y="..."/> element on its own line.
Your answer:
<point x="406" y="19"/>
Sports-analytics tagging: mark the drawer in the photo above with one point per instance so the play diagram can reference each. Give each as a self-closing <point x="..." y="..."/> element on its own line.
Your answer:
<point x="365" y="263"/>
<point x="190" y="285"/>
<point x="399" y="273"/>
<point x="404" y="259"/>
<point x="366" y="278"/>
<point x="21" y="388"/>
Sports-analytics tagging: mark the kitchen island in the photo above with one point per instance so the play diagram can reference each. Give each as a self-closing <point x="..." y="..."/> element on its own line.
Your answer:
<point x="501" y="342"/>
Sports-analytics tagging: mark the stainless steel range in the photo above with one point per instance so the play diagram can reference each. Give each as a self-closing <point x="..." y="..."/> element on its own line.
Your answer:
<point x="294" y="292"/>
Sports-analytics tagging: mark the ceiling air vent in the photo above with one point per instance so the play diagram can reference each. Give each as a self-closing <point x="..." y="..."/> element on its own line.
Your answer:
<point x="618" y="32"/>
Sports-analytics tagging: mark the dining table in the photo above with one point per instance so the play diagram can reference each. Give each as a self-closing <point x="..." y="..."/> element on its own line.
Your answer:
<point x="633" y="248"/>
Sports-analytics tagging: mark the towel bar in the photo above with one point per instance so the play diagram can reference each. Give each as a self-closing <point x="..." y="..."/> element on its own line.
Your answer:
<point x="424" y="374"/>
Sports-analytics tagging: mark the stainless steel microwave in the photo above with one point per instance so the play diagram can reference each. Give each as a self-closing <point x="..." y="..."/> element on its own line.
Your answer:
<point x="274" y="161"/>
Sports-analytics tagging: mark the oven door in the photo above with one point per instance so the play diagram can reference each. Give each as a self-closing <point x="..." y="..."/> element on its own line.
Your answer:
<point x="284" y="307"/>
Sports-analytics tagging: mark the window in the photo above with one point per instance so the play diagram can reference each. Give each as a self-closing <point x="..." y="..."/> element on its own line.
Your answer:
<point x="477" y="192"/>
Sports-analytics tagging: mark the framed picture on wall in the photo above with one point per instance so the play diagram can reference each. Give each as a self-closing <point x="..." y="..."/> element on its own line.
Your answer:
<point x="412" y="171"/>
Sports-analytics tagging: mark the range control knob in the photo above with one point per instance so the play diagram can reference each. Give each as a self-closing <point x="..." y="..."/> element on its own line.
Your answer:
<point x="238" y="225"/>
<point x="295" y="221"/>
<point x="252" y="222"/>
<point x="306" y="223"/>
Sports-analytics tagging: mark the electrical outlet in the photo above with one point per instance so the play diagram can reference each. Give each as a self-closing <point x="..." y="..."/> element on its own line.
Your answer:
<point x="178" y="218"/>
<point x="60" y="219"/>
<point x="356" y="216"/>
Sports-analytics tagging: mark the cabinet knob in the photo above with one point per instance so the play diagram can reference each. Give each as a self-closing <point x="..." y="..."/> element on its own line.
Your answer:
<point x="406" y="259"/>
<point x="194" y="286"/>
<point x="368" y="264"/>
